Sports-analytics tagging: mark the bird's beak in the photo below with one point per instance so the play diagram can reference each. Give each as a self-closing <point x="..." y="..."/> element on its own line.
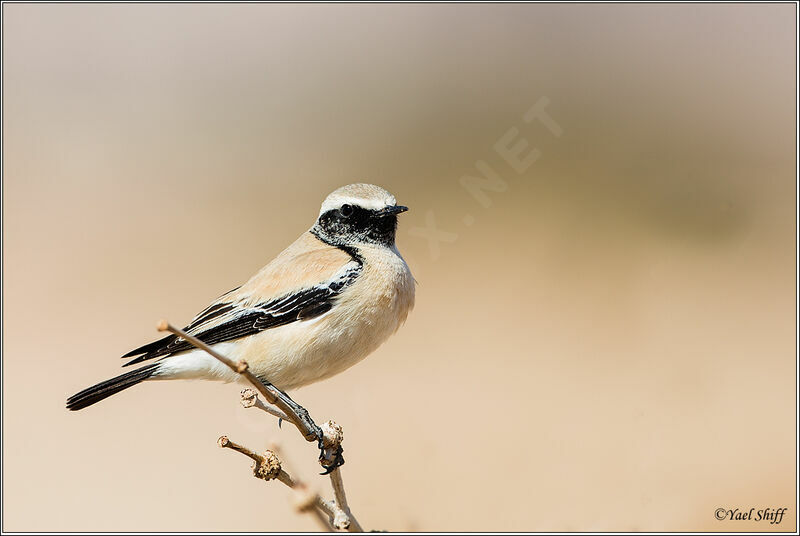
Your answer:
<point x="392" y="211"/>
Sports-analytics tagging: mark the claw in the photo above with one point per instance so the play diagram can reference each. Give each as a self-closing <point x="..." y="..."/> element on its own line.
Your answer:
<point x="328" y="471"/>
<point x="280" y="420"/>
<point x="338" y="461"/>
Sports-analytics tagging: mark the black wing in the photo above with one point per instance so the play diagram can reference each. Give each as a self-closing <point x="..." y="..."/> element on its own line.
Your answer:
<point x="242" y="321"/>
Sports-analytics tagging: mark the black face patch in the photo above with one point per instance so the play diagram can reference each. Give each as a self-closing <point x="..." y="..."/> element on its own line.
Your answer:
<point x="352" y="224"/>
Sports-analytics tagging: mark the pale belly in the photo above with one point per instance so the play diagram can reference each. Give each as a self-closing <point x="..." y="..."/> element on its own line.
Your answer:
<point x="308" y="351"/>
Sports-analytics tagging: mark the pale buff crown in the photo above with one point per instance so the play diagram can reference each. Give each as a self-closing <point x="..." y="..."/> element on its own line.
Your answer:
<point x="367" y="196"/>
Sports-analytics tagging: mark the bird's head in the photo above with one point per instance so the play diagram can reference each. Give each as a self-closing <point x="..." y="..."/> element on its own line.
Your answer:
<point x="358" y="214"/>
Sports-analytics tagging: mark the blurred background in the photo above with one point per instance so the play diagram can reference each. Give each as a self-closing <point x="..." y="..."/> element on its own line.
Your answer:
<point x="604" y="338"/>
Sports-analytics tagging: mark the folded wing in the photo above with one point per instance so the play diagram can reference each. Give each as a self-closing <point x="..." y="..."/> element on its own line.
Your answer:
<point x="262" y="304"/>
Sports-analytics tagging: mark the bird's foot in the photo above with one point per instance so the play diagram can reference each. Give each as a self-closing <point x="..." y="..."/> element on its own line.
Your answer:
<point x="330" y="460"/>
<point x="330" y="451"/>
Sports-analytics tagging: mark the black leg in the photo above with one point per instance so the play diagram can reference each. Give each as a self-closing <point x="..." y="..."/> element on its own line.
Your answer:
<point x="302" y="413"/>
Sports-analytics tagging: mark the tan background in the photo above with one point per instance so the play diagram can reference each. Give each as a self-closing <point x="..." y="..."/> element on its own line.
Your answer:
<point x="609" y="345"/>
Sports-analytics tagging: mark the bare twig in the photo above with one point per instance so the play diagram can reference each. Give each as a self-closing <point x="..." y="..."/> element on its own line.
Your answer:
<point x="349" y="522"/>
<point x="269" y="391"/>
<point x="250" y="400"/>
<point x="333" y="435"/>
<point x="329" y="507"/>
<point x="268" y="467"/>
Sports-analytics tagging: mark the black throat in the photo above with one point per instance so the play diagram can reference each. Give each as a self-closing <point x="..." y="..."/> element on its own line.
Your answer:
<point x="355" y="226"/>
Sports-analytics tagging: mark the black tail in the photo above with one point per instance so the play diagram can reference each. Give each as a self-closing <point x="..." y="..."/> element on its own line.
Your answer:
<point x="98" y="392"/>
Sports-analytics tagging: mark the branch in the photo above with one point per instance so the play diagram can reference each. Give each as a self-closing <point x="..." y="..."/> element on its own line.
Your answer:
<point x="270" y="392"/>
<point x="329" y="507"/>
<point x="268" y="467"/>
<point x="250" y="400"/>
<point x="333" y="435"/>
<point x="338" y="511"/>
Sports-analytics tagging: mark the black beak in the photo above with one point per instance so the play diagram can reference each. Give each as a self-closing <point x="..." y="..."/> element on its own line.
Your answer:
<point x="391" y="211"/>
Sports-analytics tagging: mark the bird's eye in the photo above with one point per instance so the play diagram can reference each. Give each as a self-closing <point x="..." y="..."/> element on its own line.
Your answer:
<point x="346" y="210"/>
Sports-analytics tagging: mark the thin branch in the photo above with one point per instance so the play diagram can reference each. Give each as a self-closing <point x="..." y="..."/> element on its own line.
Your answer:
<point x="226" y="443"/>
<point x="268" y="467"/>
<point x="352" y="524"/>
<point x="250" y="400"/>
<point x="269" y="391"/>
<point x="329" y="507"/>
<point x="333" y="435"/>
<point x="338" y="510"/>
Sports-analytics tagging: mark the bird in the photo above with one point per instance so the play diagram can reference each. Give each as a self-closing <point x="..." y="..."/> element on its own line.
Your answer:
<point x="322" y="305"/>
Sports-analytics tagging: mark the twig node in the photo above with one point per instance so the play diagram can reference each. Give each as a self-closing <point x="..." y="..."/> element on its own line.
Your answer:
<point x="332" y="434"/>
<point x="249" y="398"/>
<point x="268" y="467"/>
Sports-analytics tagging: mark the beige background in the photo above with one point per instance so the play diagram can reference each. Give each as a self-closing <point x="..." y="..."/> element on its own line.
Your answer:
<point x="609" y="345"/>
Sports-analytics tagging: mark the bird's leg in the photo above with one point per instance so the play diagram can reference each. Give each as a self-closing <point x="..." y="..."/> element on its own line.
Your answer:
<point x="324" y="455"/>
<point x="330" y="454"/>
<point x="305" y="418"/>
<point x="299" y="411"/>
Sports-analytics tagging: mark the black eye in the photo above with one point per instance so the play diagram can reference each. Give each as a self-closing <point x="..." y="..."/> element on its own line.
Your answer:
<point x="346" y="210"/>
